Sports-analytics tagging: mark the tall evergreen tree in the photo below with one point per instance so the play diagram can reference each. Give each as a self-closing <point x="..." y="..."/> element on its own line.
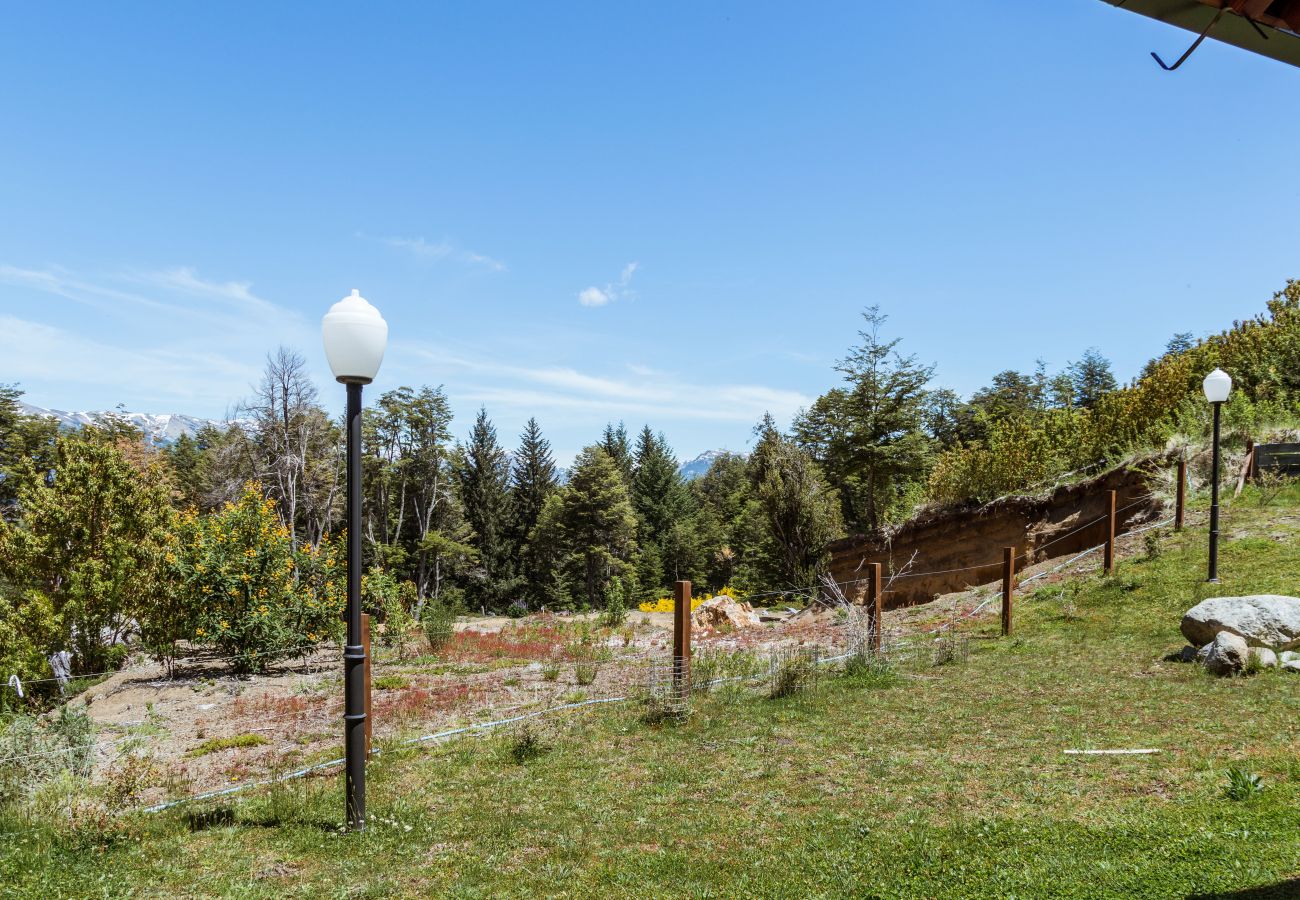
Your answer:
<point x="532" y="480"/>
<point x="1091" y="377"/>
<point x="798" y="511"/>
<point x="616" y="444"/>
<point x="590" y="527"/>
<point x="664" y="507"/>
<point x="484" y="475"/>
<point x="869" y="437"/>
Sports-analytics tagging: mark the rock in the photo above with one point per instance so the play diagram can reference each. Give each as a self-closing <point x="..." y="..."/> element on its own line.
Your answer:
<point x="1227" y="654"/>
<point x="1263" y="620"/>
<point x="1188" y="653"/>
<point x="1287" y="656"/>
<point x="724" y="613"/>
<point x="1291" y="666"/>
<point x="1267" y="658"/>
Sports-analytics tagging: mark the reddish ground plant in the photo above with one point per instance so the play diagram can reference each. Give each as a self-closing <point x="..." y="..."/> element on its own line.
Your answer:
<point x="417" y="703"/>
<point x="533" y="643"/>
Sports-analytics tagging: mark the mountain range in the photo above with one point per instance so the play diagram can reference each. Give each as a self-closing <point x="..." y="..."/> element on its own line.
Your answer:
<point x="162" y="429"/>
<point x="157" y="429"/>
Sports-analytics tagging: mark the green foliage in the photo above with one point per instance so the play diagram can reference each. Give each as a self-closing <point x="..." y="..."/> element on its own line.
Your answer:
<point x="533" y="479"/>
<point x="1262" y="355"/>
<point x="528" y="742"/>
<point x="870" y="670"/>
<point x="34" y="751"/>
<point x="584" y="672"/>
<point x="619" y="599"/>
<point x="438" y="622"/>
<point x="868" y="437"/>
<point x="260" y="599"/>
<point x="797" y="511"/>
<point x="213" y="745"/>
<point x="588" y="528"/>
<point x="483" y="473"/>
<point x="1243" y="784"/>
<point x="664" y="507"/>
<point x="86" y="552"/>
<point x="793" y="674"/>
<point x="391" y="683"/>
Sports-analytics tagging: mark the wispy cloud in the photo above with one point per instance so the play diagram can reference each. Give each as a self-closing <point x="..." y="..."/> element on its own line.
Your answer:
<point x="480" y="378"/>
<point x="614" y="290"/>
<point x="164" y="336"/>
<point x="439" y="250"/>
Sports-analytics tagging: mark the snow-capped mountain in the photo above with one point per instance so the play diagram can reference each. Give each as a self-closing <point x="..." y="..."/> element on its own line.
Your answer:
<point x="157" y="429"/>
<point x="698" y="466"/>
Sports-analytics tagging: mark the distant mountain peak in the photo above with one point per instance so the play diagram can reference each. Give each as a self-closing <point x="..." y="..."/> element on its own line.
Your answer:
<point x="158" y="429"/>
<point x="698" y="466"/>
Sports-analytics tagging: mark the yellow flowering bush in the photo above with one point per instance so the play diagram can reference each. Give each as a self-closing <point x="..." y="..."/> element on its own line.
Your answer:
<point x="665" y="604"/>
<point x="258" y="599"/>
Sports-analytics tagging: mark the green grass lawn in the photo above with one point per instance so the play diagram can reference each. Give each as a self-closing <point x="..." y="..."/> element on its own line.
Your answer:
<point x="947" y="782"/>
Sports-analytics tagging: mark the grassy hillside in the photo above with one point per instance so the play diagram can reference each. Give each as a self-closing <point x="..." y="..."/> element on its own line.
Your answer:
<point x="940" y="781"/>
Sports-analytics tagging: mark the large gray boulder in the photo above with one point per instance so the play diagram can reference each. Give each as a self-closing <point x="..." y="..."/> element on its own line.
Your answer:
<point x="1227" y="654"/>
<point x="1263" y="620"/>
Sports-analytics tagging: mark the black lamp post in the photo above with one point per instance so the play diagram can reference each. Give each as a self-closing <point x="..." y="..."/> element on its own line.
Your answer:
<point x="355" y="336"/>
<point x="1217" y="386"/>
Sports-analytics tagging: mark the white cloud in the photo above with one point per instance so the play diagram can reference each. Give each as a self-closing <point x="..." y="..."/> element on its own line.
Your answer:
<point x="168" y="338"/>
<point x="55" y="361"/>
<point x="593" y="296"/>
<point x="478" y="378"/>
<point x="440" y="250"/>
<point x="619" y="290"/>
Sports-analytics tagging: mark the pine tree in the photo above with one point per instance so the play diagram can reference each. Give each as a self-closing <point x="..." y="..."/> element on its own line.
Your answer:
<point x="798" y="511"/>
<point x="615" y="443"/>
<point x="1091" y="377"/>
<point x="664" y="507"/>
<point x="869" y="437"/>
<point x="590" y="527"/>
<point x="532" y="480"/>
<point x="484" y="475"/>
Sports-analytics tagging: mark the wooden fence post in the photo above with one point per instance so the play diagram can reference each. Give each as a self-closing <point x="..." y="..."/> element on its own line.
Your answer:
<point x="1180" y="503"/>
<point x="1008" y="586"/>
<point x="365" y="642"/>
<point x="681" y="639"/>
<point x="1108" y="564"/>
<point x="875" y="605"/>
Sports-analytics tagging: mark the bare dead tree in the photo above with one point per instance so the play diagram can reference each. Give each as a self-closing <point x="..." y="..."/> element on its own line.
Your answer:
<point x="295" y="445"/>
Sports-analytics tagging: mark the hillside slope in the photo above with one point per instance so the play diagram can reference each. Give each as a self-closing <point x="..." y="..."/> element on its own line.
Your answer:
<point x="934" y="781"/>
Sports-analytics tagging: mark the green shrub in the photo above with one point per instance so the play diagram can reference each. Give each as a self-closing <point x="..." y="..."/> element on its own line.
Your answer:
<point x="390" y="683"/>
<point x="212" y="745"/>
<point x="262" y="600"/>
<point x="584" y="672"/>
<point x="528" y="742"/>
<point x="550" y="671"/>
<point x="870" y="670"/>
<point x="35" y="751"/>
<point x="792" y="675"/>
<point x="438" y="623"/>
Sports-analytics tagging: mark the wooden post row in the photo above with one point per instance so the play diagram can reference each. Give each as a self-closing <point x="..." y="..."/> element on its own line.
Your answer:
<point x="875" y="606"/>
<point x="1008" y="586"/>
<point x="1109" y="562"/>
<point x="681" y="638"/>
<point x="365" y="643"/>
<point x="1180" y="503"/>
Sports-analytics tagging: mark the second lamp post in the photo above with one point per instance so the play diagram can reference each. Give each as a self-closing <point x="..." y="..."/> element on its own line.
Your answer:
<point x="355" y="336"/>
<point x="1217" y="386"/>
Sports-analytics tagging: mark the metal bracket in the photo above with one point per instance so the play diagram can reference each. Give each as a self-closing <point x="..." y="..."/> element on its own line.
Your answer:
<point x="1196" y="43"/>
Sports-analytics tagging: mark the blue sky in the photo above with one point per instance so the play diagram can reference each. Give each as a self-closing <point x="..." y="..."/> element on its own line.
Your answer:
<point x="670" y="213"/>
